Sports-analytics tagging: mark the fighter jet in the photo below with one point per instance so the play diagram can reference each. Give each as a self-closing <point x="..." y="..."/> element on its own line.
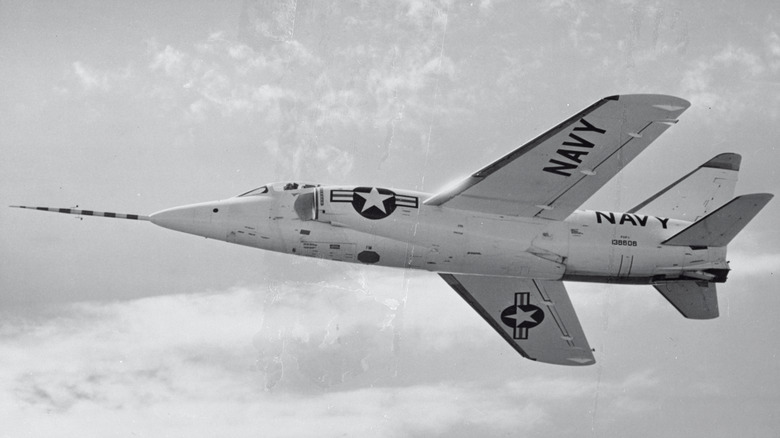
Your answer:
<point x="508" y="236"/>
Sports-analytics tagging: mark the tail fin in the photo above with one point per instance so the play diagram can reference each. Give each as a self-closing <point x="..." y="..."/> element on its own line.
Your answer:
<point x="720" y="226"/>
<point x="694" y="299"/>
<point x="698" y="193"/>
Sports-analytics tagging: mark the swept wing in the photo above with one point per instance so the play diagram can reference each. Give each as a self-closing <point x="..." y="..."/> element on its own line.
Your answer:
<point x="555" y="173"/>
<point x="534" y="316"/>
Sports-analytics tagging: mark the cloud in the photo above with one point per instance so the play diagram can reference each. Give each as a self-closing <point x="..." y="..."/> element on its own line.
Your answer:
<point x="90" y="79"/>
<point x="171" y="61"/>
<point x="749" y="64"/>
<point x="486" y="6"/>
<point x="93" y="79"/>
<point x="311" y="94"/>
<point x="731" y="82"/>
<point x="290" y="360"/>
<point x="772" y="42"/>
<point x="221" y="76"/>
<point x="631" y="395"/>
<point x="363" y="353"/>
<point x="426" y="12"/>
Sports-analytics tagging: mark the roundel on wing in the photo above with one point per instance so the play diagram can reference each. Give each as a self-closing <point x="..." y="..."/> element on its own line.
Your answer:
<point x="522" y="315"/>
<point x="373" y="202"/>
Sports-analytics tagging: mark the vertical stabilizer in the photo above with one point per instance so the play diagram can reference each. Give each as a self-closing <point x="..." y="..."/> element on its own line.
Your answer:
<point x="696" y="194"/>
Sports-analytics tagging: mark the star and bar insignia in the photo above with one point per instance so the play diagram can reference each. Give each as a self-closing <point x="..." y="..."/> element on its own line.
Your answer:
<point x="522" y="316"/>
<point x="374" y="202"/>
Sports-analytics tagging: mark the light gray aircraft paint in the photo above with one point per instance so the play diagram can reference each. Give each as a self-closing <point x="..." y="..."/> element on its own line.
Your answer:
<point x="506" y="237"/>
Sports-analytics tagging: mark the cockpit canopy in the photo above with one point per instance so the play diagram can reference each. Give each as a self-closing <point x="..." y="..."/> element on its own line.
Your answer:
<point x="255" y="192"/>
<point x="279" y="187"/>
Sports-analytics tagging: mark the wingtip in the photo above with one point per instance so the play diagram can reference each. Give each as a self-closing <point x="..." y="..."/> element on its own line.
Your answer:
<point x="728" y="160"/>
<point x="758" y="196"/>
<point x="664" y="102"/>
<point x="763" y="197"/>
<point x="583" y="361"/>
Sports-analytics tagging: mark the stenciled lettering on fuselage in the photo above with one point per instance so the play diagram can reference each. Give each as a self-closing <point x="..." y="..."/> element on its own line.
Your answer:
<point x="569" y="157"/>
<point x="522" y="315"/>
<point x="628" y="218"/>
<point x="374" y="202"/>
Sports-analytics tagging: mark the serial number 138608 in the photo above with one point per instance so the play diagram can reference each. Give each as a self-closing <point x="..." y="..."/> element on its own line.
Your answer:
<point x="619" y="242"/>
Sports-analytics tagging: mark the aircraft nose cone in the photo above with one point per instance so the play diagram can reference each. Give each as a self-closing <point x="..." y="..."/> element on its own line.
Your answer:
<point x="193" y="219"/>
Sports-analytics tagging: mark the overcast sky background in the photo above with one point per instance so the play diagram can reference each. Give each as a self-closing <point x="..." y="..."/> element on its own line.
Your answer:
<point x="120" y="328"/>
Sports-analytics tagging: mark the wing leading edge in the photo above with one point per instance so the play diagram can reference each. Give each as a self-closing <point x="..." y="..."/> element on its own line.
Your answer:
<point x="555" y="173"/>
<point x="534" y="316"/>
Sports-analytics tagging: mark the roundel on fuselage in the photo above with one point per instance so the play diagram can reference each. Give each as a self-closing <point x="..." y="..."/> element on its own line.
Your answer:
<point x="373" y="202"/>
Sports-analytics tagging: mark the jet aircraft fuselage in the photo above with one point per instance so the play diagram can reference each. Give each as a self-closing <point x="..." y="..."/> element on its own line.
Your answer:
<point x="394" y="228"/>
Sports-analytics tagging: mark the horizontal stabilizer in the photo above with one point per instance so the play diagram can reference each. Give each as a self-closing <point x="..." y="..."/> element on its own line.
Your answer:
<point x="720" y="226"/>
<point x="696" y="194"/>
<point x="694" y="299"/>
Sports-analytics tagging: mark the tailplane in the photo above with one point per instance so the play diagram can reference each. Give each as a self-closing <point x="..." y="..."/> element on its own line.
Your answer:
<point x="702" y="197"/>
<point x="694" y="299"/>
<point x="698" y="299"/>
<point x="696" y="194"/>
<point x="722" y="225"/>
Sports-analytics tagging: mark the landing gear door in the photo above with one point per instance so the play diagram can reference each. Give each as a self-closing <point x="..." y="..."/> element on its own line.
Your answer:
<point x="622" y="260"/>
<point x="626" y="263"/>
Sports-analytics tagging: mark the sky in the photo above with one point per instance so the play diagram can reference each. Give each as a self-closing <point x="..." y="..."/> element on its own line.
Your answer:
<point x="120" y="328"/>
